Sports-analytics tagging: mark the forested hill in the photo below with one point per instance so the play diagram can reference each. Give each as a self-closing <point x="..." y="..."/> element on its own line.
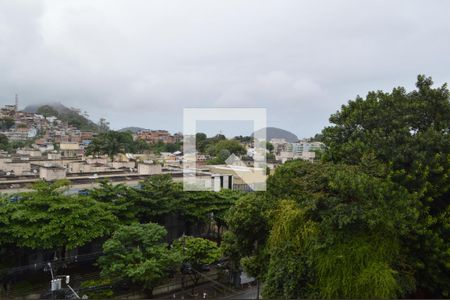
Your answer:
<point x="72" y="116"/>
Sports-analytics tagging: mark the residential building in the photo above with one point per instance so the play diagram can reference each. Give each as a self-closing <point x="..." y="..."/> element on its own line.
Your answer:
<point x="156" y="136"/>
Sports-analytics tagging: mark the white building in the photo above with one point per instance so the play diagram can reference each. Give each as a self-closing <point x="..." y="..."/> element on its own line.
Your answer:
<point x="52" y="172"/>
<point x="149" y="169"/>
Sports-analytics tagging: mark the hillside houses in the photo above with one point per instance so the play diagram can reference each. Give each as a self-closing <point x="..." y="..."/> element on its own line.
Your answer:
<point x="25" y="126"/>
<point x="157" y="136"/>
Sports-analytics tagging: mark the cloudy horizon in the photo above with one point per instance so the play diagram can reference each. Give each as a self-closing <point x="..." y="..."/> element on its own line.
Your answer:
<point x="139" y="63"/>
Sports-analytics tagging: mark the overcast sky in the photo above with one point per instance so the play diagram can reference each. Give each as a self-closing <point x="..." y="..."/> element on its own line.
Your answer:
<point x="139" y="63"/>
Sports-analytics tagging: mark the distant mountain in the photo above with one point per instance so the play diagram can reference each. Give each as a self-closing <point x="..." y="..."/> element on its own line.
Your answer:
<point x="132" y="129"/>
<point x="72" y="116"/>
<point x="278" y="133"/>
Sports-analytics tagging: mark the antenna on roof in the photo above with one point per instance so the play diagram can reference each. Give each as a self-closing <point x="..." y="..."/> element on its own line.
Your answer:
<point x="17" y="102"/>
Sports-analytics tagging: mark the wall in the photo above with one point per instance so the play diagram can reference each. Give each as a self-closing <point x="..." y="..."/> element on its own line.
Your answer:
<point x="19" y="168"/>
<point x="118" y="164"/>
<point x="149" y="169"/>
<point x="52" y="173"/>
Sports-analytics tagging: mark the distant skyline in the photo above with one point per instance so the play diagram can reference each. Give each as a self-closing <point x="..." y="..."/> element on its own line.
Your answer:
<point x="139" y="63"/>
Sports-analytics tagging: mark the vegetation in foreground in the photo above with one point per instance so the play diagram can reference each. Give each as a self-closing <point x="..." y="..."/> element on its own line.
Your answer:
<point x="372" y="220"/>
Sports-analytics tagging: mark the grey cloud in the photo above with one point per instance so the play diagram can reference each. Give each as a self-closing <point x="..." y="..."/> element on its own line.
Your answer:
<point x="141" y="62"/>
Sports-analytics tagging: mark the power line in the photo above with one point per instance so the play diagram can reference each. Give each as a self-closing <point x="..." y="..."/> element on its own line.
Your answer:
<point x="43" y="265"/>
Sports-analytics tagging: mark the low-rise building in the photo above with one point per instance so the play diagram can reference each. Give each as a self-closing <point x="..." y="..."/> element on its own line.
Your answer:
<point x="156" y="136"/>
<point x="243" y="178"/>
<point x="29" y="152"/>
<point x="17" y="168"/>
<point x="53" y="155"/>
<point x="123" y="165"/>
<point x="52" y="172"/>
<point x="148" y="168"/>
<point x="285" y="156"/>
<point x="97" y="160"/>
<point x="70" y="149"/>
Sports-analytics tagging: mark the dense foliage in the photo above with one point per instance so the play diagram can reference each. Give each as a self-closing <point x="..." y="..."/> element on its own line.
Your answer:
<point x="203" y="142"/>
<point x="196" y="252"/>
<point x="6" y="123"/>
<point x="10" y="146"/>
<point x="371" y="220"/>
<point x="112" y="143"/>
<point x="47" y="219"/>
<point x="138" y="253"/>
<point x="159" y="147"/>
<point x="409" y="135"/>
<point x="4" y="142"/>
<point x="50" y="218"/>
<point x="223" y="149"/>
<point x="119" y="200"/>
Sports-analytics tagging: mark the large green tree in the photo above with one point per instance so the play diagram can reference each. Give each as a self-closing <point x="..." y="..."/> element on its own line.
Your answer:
<point x="245" y="244"/>
<point x="120" y="199"/>
<point x="138" y="254"/>
<point x="201" y="142"/>
<point x="48" y="219"/>
<point x="158" y="197"/>
<point x="233" y="146"/>
<point x="336" y="234"/>
<point x="4" y="143"/>
<point x="196" y="252"/>
<point x="405" y="136"/>
<point x="112" y="143"/>
<point x="372" y="219"/>
<point x="247" y="219"/>
<point x="290" y="243"/>
<point x="208" y="208"/>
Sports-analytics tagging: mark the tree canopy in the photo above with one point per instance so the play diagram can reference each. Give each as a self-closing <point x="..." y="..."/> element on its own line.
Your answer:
<point x="370" y="220"/>
<point x="222" y="149"/>
<point x="119" y="199"/>
<point x="4" y="142"/>
<point x="47" y="219"/>
<point x="112" y="143"/>
<point x="407" y="134"/>
<point x="138" y="253"/>
<point x="196" y="252"/>
<point x="6" y="123"/>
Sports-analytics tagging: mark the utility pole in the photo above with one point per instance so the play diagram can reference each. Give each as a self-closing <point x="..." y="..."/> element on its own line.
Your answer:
<point x="55" y="284"/>
<point x="183" y="265"/>
<point x="257" y="289"/>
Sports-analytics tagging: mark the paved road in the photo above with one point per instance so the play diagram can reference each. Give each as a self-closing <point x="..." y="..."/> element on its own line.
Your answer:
<point x="249" y="293"/>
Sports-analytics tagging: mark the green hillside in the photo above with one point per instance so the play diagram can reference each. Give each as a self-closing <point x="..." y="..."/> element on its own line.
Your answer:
<point x="65" y="114"/>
